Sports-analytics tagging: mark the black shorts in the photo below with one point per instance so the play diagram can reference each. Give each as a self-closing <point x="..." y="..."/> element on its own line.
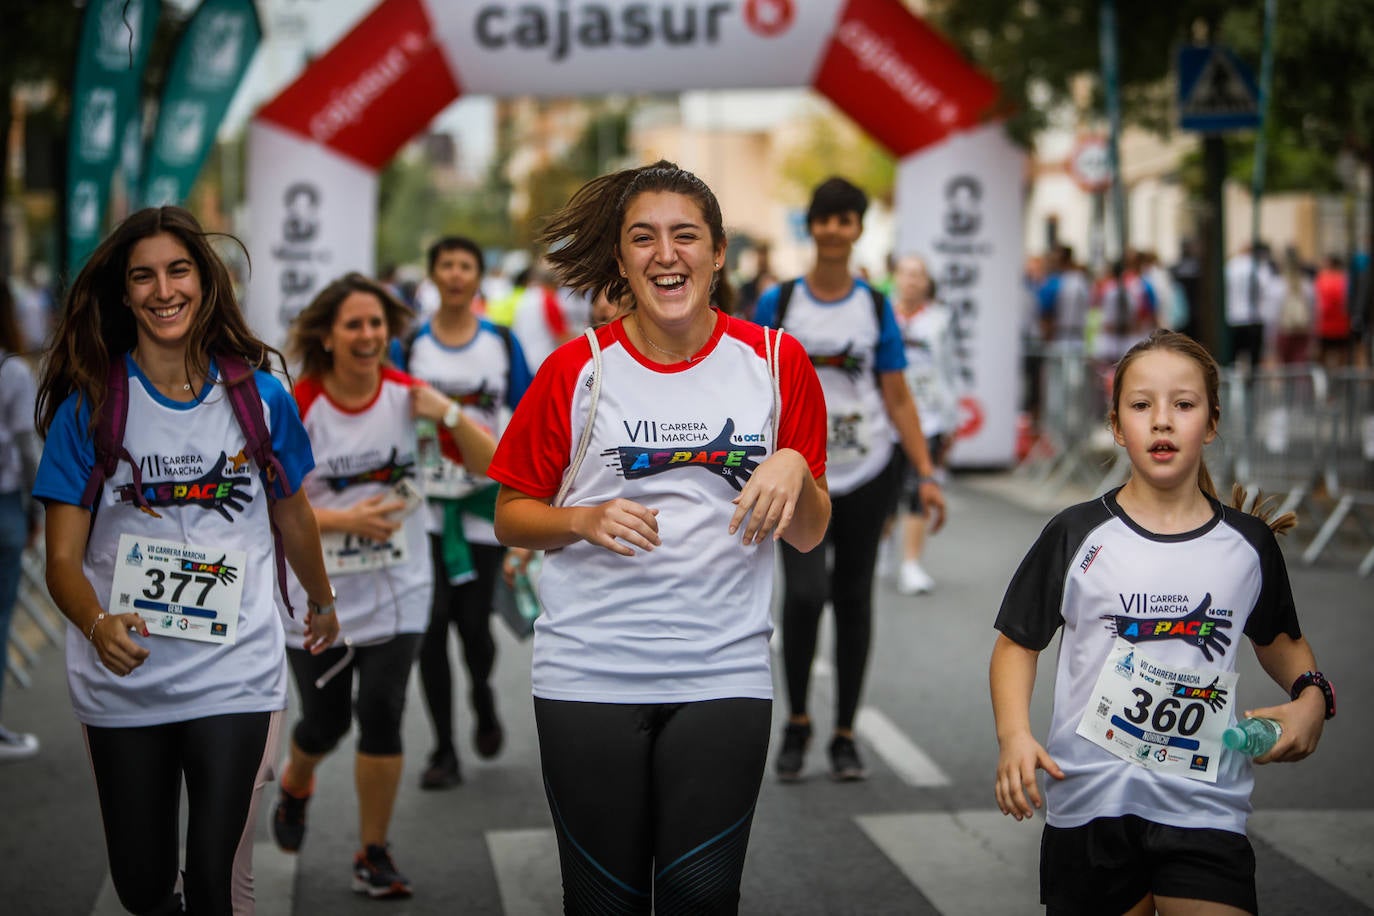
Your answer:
<point x="1109" y="864"/>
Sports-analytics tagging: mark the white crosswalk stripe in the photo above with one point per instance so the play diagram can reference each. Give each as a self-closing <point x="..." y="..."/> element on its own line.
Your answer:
<point x="899" y="752"/>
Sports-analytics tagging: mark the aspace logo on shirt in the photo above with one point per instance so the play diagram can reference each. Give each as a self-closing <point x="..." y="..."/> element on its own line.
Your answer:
<point x="847" y="361"/>
<point x="220" y="485"/>
<point x="352" y="470"/>
<point x="1146" y="619"/>
<point x="722" y="455"/>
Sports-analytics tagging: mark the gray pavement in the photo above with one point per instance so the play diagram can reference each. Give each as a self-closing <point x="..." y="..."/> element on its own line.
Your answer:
<point x="921" y="836"/>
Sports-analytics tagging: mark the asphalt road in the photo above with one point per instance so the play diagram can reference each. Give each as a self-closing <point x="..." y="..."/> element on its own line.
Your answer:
<point x="921" y="836"/>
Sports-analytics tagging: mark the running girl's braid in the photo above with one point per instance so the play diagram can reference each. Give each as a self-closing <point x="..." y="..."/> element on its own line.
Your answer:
<point x="1183" y="345"/>
<point x="583" y="234"/>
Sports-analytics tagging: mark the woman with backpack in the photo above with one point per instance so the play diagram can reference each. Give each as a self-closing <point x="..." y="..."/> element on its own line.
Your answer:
<point x="172" y="455"/>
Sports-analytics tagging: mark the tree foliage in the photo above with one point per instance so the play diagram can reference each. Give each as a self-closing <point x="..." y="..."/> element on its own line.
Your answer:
<point x="1323" y="99"/>
<point x="831" y="144"/>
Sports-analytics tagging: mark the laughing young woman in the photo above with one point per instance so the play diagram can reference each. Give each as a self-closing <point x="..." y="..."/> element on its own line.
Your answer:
<point x="651" y="669"/>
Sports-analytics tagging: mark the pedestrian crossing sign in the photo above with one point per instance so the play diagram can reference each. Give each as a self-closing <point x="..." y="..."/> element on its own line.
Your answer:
<point x="1216" y="91"/>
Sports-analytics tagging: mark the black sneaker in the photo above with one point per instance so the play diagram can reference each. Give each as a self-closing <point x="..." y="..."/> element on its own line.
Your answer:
<point x="288" y="820"/>
<point x="845" y="765"/>
<point x="795" y="739"/>
<point x="442" y="772"/>
<point x="375" y="874"/>
<point x="487" y="736"/>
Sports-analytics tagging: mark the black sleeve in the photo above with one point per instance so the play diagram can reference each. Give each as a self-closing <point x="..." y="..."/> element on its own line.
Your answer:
<point x="1031" y="610"/>
<point x="1274" y="611"/>
<point x="1033" y="607"/>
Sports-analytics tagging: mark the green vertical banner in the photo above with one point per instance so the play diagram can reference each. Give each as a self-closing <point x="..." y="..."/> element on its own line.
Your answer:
<point x="115" y="37"/>
<point x="209" y="61"/>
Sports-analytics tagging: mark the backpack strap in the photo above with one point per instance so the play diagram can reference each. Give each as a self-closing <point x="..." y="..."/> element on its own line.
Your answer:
<point x="879" y="300"/>
<point x="242" y="390"/>
<point x="584" y="440"/>
<point x="785" y="289"/>
<point x="508" y="338"/>
<point x="772" y="351"/>
<point x="109" y="439"/>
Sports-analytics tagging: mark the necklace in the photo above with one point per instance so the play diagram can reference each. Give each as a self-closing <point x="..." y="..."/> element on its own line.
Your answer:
<point x="648" y="340"/>
<point x="133" y="354"/>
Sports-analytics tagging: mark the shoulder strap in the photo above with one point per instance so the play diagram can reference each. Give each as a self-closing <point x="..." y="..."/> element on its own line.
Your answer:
<point x="242" y="390"/>
<point x="508" y="339"/>
<point x="109" y="439"/>
<point x="772" y="351"/>
<point x="584" y="440"/>
<point x="785" y="289"/>
<point x="408" y="342"/>
<point x="879" y="300"/>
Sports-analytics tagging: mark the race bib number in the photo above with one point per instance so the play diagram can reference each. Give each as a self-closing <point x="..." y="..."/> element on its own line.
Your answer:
<point x="345" y="552"/>
<point x="349" y="553"/>
<point x="1159" y="717"/>
<point x="848" y="439"/>
<point x="180" y="590"/>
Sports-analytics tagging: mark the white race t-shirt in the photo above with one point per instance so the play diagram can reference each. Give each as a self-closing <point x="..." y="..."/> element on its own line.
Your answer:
<point x="208" y="494"/>
<point x="848" y="344"/>
<point x="688" y="620"/>
<point x="1184" y="600"/>
<point x="486" y="376"/>
<point x="359" y="454"/>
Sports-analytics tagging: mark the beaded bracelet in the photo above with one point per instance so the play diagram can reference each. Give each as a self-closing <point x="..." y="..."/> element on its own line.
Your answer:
<point x="90" y="631"/>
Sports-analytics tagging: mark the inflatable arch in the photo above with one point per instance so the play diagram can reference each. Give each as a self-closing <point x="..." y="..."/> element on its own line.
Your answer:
<point x="315" y="150"/>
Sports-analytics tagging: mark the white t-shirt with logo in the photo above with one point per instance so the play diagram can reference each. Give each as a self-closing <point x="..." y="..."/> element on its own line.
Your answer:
<point x="359" y="454"/>
<point x="932" y="371"/>
<point x="847" y="344"/>
<point x="209" y="494"/>
<point x="483" y="376"/>
<point x="1184" y="601"/>
<point x="688" y="620"/>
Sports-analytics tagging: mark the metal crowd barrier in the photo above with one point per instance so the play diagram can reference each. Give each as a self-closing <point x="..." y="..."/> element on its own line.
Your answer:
<point x="1284" y="434"/>
<point x="1072" y="441"/>
<point x="1348" y="469"/>
<point x="42" y="622"/>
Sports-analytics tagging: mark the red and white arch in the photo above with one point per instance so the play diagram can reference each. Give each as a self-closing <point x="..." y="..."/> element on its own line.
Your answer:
<point x="315" y="150"/>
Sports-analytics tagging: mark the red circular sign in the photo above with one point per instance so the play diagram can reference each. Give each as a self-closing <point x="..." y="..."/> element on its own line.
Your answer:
<point x="1089" y="165"/>
<point x="768" y="18"/>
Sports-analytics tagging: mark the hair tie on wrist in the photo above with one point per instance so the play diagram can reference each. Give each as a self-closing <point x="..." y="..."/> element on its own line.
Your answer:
<point x="90" y="631"/>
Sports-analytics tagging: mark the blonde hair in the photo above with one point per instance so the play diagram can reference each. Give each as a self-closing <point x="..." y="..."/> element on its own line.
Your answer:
<point x="1185" y="346"/>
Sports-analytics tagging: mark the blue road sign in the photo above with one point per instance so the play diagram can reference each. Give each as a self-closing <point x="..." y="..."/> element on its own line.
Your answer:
<point x="1216" y="92"/>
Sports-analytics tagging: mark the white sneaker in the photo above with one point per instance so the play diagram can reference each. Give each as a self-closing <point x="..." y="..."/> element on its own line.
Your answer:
<point x="887" y="550"/>
<point x="913" y="580"/>
<point x="16" y="746"/>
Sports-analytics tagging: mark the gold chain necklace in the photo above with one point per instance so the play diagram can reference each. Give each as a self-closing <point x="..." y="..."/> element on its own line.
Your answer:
<point x="648" y="340"/>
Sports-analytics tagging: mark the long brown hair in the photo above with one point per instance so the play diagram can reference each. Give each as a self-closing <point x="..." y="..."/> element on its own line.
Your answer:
<point x="313" y="324"/>
<point x="583" y="236"/>
<point x="96" y="325"/>
<point x="1183" y="345"/>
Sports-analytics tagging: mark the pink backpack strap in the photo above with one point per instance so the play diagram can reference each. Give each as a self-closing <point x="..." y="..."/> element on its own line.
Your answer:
<point x="242" y="391"/>
<point x="109" y="439"/>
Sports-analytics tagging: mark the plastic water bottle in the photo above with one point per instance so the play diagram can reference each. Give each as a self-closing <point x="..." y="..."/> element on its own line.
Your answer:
<point x="1252" y="737"/>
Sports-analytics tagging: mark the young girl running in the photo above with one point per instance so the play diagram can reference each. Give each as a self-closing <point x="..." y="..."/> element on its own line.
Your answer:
<point x="1153" y="583"/>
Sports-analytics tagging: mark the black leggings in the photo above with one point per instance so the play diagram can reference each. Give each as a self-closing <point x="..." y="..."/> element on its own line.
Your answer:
<point x="138" y="776"/>
<point x="856" y="521"/>
<point x="468" y="607"/>
<point x="652" y="804"/>
<point x="327" y="712"/>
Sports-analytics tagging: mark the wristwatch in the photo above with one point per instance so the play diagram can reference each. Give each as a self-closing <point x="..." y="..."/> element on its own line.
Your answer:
<point x="452" y="415"/>
<point x="1318" y="680"/>
<point x="321" y="610"/>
